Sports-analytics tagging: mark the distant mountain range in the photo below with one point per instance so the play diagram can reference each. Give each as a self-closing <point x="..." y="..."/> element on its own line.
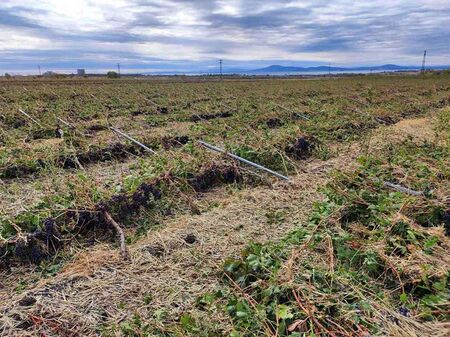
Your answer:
<point x="277" y="70"/>
<point x="384" y="67"/>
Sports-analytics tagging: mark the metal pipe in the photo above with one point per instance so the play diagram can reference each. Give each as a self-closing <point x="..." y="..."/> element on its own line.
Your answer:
<point x="262" y="168"/>
<point x="402" y="189"/>
<point x="65" y="123"/>
<point x="23" y="112"/>
<point x="291" y="111"/>
<point x="132" y="140"/>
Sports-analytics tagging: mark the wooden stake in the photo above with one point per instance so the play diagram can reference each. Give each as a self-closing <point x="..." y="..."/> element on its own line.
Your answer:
<point x="123" y="247"/>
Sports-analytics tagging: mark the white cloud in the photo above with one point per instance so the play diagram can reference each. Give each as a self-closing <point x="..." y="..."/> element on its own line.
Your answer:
<point x="11" y="39"/>
<point x="340" y="31"/>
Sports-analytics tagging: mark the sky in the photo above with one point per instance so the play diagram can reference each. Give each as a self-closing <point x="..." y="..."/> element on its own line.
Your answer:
<point x="192" y="35"/>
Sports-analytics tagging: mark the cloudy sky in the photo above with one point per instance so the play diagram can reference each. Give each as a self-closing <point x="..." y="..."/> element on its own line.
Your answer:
<point x="185" y="35"/>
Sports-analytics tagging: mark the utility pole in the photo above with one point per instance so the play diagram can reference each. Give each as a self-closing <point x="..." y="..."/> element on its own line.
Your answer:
<point x="423" y="61"/>
<point x="118" y="68"/>
<point x="220" y="63"/>
<point x="39" y="67"/>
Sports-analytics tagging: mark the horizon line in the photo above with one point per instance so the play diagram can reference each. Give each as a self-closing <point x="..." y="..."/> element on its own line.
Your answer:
<point x="233" y="70"/>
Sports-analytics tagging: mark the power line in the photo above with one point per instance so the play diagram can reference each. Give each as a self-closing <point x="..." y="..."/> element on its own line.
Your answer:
<point x="118" y="68"/>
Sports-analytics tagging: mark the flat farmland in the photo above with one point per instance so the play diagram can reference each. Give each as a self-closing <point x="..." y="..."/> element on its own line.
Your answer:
<point x="100" y="235"/>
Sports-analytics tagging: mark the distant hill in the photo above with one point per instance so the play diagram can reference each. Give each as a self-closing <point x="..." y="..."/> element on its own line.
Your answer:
<point x="289" y="69"/>
<point x="278" y="69"/>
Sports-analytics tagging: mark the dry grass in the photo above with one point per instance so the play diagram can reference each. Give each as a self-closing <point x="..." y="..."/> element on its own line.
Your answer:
<point x="165" y="271"/>
<point x="23" y="193"/>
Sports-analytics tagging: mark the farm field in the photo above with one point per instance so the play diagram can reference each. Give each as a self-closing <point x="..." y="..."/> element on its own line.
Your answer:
<point x="354" y="244"/>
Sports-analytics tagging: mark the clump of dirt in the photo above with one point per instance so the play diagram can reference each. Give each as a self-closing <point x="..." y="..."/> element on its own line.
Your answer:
<point x="155" y="250"/>
<point x="190" y="239"/>
<point x="301" y="148"/>
<point x="177" y="141"/>
<point x="27" y="301"/>
<point x="198" y="118"/>
<point x="162" y="110"/>
<point x="95" y="128"/>
<point x="139" y="112"/>
<point x="37" y="246"/>
<point x="145" y="194"/>
<point x="446" y="219"/>
<point x="274" y="123"/>
<point x="34" y="247"/>
<point x="213" y="175"/>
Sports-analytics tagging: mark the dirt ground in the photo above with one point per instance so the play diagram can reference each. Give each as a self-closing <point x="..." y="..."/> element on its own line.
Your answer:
<point x="172" y="266"/>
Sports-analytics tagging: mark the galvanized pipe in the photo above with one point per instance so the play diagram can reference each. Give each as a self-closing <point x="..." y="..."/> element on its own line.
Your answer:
<point x="402" y="189"/>
<point x="34" y="120"/>
<point x="248" y="162"/>
<point x="132" y="140"/>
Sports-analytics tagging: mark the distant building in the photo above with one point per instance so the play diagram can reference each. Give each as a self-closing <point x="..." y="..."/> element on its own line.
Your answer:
<point x="81" y="72"/>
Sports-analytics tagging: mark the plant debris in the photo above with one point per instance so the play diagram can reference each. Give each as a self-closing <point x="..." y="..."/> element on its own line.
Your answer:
<point x="201" y="117"/>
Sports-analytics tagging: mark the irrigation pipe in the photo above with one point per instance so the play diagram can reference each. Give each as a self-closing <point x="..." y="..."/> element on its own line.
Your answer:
<point x="132" y="140"/>
<point x="303" y="116"/>
<point x="65" y="123"/>
<point x="34" y="120"/>
<point x="248" y="162"/>
<point x="402" y="189"/>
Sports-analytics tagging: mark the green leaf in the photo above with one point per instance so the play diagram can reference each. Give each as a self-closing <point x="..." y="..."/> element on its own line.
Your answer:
<point x="187" y="322"/>
<point x="284" y="312"/>
<point x="431" y="242"/>
<point x="403" y="298"/>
